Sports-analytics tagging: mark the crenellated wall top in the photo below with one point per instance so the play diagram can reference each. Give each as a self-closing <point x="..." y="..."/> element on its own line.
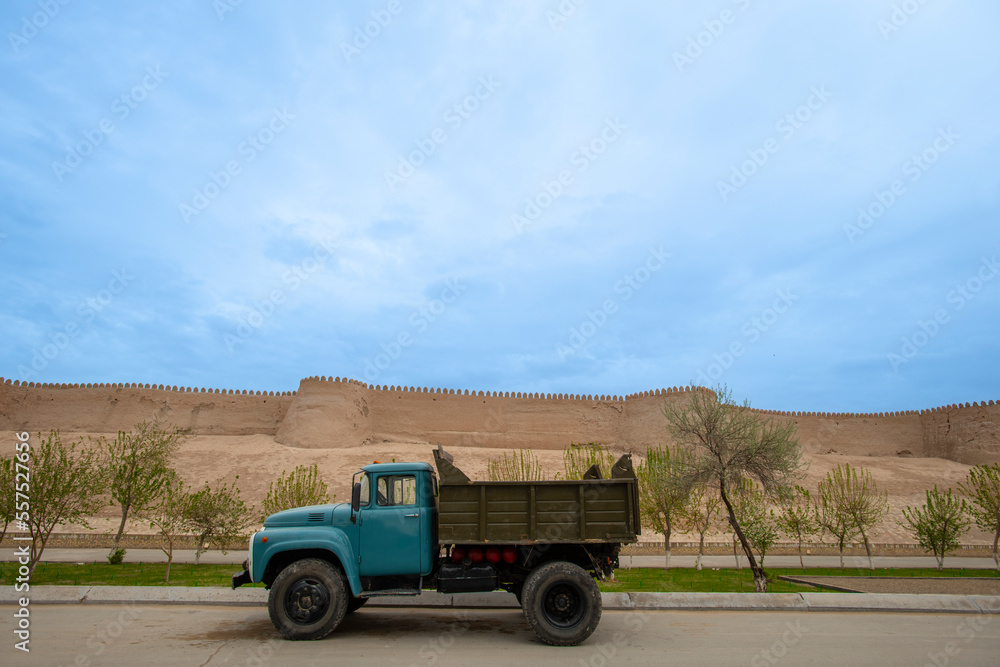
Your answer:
<point x="134" y="385"/>
<point x="669" y="391"/>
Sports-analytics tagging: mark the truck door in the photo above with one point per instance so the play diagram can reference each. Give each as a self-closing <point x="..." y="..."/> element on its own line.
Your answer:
<point x="390" y="528"/>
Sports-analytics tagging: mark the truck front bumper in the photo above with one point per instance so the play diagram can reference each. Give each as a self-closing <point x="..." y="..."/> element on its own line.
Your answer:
<point x="243" y="577"/>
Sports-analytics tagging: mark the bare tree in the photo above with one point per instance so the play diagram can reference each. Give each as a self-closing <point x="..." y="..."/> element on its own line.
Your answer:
<point x="217" y="516"/>
<point x="939" y="523"/>
<point x="982" y="487"/>
<point x="701" y="515"/>
<point x="664" y="490"/>
<point x="166" y="513"/>
<point x="302" y="487"/>
<point x="519" y="465"/>
<point x="854" y="495"/>
<point x="730" y="442"/>
<point x="67" y="486"/>
<point x="832" y="517"/>
<point x="797" y="517"/>
<point x="137" y="465"/>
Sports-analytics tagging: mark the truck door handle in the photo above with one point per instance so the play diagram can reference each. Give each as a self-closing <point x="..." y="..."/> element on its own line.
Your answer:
<point x="411" y="515"/>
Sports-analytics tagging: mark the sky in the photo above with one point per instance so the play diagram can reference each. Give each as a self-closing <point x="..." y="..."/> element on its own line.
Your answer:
<point x="798" y="199"/>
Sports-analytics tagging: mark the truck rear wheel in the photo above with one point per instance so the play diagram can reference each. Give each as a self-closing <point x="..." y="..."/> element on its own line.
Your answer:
<point x="308" y="599"/>
<point x="561" y="603"/>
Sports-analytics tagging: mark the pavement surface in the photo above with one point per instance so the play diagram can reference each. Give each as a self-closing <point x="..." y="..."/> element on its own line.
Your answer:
<point x="210" y="636"/>
<point x="257" y="597"/>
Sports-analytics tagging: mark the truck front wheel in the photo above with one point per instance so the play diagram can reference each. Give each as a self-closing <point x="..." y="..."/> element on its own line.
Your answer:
<point x="562" y="603"/>
<point x="308" y="599"/>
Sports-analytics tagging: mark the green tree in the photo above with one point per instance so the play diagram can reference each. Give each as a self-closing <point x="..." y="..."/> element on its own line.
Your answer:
<point x="167" y="514"/>
<point x="217" y="516"/>
<point x="578" y="458"/>
<point x="519" y="465"/>
<point x="939" y="523"/>
<point x="137" y="465"/>
<point x="750" y="505"/>
<point x="982" y="487"/>
<point x="730" y="442"/>
<point x="664" y="490"/>
<point x="857" y="498"/>
<point x="7" y="493"/>
<point x="797" y="517"/>
<point x="832" y="517"/>
<point x="302" y="487"/>
<point x="701" y="515"/>
<point x="67" y="486"/>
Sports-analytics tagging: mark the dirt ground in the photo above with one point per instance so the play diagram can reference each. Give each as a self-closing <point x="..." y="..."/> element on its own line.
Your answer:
<point x="254" y="461"/>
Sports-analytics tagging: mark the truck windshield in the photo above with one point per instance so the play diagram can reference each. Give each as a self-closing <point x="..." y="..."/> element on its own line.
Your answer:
<point x="366" y="490"/>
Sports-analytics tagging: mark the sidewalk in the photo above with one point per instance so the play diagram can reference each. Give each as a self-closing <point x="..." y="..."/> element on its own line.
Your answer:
<point x="257" y="597"/>
<point x="625" y="562"/>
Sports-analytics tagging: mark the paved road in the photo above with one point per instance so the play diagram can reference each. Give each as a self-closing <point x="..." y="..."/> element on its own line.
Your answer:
<point x="236" y="557"/>
<point x="189" y="635"/>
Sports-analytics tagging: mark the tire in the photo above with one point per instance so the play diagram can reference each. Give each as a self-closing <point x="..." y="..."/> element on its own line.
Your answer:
<point x="561" y="603"/>
<point x="356" y="603"/>
<point x="308" y="599"/>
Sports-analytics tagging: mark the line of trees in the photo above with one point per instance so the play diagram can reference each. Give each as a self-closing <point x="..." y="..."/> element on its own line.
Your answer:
<point x="735" y="470"/>
<point x="68" y="482"/>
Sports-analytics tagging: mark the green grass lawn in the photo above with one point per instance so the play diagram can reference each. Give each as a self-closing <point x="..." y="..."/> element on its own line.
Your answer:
<point x="125" y="574"/>
<point x="686" y="580"/>
<point x="730" y="580"/>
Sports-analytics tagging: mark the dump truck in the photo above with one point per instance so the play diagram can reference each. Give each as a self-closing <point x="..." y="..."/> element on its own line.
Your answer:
<point x="408" y="529"/>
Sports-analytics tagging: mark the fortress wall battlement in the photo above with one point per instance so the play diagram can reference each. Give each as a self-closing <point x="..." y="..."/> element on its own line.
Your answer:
<point x="109" y="408"/>
<point x="334" y="412"/>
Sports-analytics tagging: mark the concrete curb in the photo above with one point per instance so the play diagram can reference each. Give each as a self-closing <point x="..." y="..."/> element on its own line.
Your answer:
<point x="257" y="597"/>
<point x="961" y="604"/>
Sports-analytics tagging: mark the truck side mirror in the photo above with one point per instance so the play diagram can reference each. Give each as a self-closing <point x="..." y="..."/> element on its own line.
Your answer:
<point x="356" y="497"/>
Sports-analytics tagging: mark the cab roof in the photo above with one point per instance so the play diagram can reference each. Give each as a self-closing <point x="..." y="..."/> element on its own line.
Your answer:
<point x="398" y="467"/>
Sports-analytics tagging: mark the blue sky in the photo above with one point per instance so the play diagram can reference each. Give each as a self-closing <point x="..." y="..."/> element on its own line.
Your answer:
<point x="798" y="199"/>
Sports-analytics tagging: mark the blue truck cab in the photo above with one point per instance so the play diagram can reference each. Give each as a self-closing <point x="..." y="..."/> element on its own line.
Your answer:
<point x="390" y="535"/>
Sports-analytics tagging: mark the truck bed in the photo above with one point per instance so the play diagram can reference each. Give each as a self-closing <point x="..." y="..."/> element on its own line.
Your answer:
<point x="587" y="510"/>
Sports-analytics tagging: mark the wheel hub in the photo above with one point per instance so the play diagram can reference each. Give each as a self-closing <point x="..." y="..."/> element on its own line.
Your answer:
<point x="563" y="605"/>
<point x="307" y="601"/>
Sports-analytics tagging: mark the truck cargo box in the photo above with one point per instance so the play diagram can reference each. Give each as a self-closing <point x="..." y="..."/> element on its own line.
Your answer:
<point x="573" y="511"/>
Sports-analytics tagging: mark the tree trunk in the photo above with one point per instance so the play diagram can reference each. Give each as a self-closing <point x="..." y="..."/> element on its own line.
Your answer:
<point x="996" y="539"/>
<point x="759" y="575"/>
<point x="199" y="549"/>
<point x="701" y="551"/>
<point x="121" y="530"/>
<point x="940" y="560"/>
<point x="868" y="550"/>
<point x="801" y="562"/>
<point x="841" y="555"/>
<point x="170" y="559"/>
<point x="666" y="545"/>
<point x="37" y="549"/>
<point x="736" y="554"/>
